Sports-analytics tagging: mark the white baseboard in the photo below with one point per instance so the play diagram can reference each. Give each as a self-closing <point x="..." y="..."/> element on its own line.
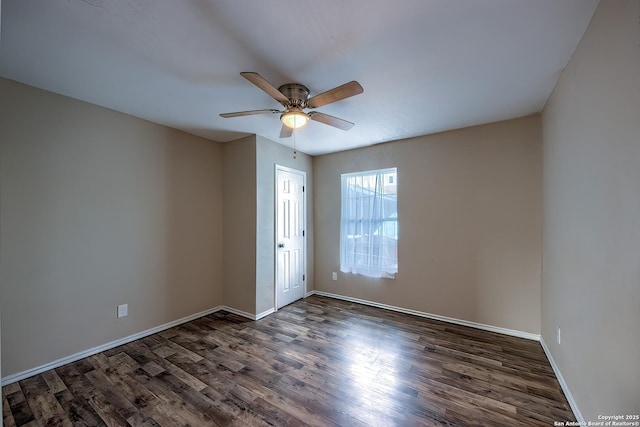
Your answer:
<point x="490" y="328"/>
<point x="563" y="384"/>
<point x="246" y="314"/>
<point x="264" y="313"/>
<point x="238" y="312"/>
<point x="90" y="352"/>
<point x="9" y="379"/>
<point x="95" y="350"/>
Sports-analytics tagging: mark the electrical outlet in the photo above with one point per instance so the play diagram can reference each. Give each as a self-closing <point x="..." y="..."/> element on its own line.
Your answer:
<point x="558" y="336"/>
<point x="334" y="276"/>
<point x="123" y="310"/>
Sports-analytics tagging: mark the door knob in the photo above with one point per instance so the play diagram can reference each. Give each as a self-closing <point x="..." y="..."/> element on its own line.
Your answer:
<point x="281" y="245"/>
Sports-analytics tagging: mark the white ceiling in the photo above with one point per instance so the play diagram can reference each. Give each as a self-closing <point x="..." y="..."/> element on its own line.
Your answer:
<point x="426" y="65"/>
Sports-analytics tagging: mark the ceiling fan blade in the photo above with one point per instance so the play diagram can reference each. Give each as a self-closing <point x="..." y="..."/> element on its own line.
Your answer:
<point x="336" y="94"/>
<point x="330" y="120"/>
<point x="286" y="131"/>
<point x="249" y="113"/>
<point x="263" y="84"/>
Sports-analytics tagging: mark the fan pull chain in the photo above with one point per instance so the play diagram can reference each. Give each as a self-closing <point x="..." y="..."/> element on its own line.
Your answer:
<point x="295" y="153"/>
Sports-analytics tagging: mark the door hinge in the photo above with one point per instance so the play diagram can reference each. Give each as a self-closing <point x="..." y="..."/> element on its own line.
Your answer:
<point x="302" y="233"/>
<point x="303" y="188"/>
<point x="303" y="277"/>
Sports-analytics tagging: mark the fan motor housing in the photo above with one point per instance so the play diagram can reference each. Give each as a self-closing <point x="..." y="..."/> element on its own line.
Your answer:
<point x="297" y="93"/>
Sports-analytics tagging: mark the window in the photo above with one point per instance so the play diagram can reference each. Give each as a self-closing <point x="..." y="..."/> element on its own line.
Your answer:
<point x="369" y="223"/>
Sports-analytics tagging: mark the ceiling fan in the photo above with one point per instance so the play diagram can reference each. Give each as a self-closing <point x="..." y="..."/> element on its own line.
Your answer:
<point x="294" y="97"/>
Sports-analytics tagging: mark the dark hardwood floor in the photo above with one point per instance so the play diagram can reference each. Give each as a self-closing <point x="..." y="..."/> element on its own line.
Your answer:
<point x="319" y="361"/>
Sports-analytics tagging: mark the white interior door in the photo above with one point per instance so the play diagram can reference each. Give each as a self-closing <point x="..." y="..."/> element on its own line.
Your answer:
<point x="290" y="235"/>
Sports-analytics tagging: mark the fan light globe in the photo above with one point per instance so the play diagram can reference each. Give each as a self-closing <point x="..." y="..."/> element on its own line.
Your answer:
<point x="294" y="119"/>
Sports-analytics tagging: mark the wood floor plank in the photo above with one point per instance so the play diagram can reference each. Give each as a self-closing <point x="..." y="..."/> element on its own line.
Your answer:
<point x="47" y="409"/>
<point x="108" y="412"/>
<point x="179" y="402"/>
<point x="318" y="362"/>
<point x="53" y="381"/>
<point x="19" y="408"/>
<point x="79" y="410"/>
<point x="7" y="416"/>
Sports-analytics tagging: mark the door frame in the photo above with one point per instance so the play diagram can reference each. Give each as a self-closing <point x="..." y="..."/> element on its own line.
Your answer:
<point x="277" y="168"/>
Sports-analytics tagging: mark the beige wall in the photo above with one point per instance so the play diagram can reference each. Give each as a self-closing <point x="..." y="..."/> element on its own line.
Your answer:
<point x="240" y="209"/>
<point x="97" y="209"/>
<point x="469" y="209"/>
<point x="591" y="274"/>
<point x="249" y="224"/>
<point x="269" y="154"/>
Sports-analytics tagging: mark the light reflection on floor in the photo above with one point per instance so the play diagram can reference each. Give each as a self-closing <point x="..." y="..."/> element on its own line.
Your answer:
<point x="372" y="370"/>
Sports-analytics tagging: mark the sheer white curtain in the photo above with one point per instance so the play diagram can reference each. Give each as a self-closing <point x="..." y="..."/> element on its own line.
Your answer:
<point x="369" y="223"/>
